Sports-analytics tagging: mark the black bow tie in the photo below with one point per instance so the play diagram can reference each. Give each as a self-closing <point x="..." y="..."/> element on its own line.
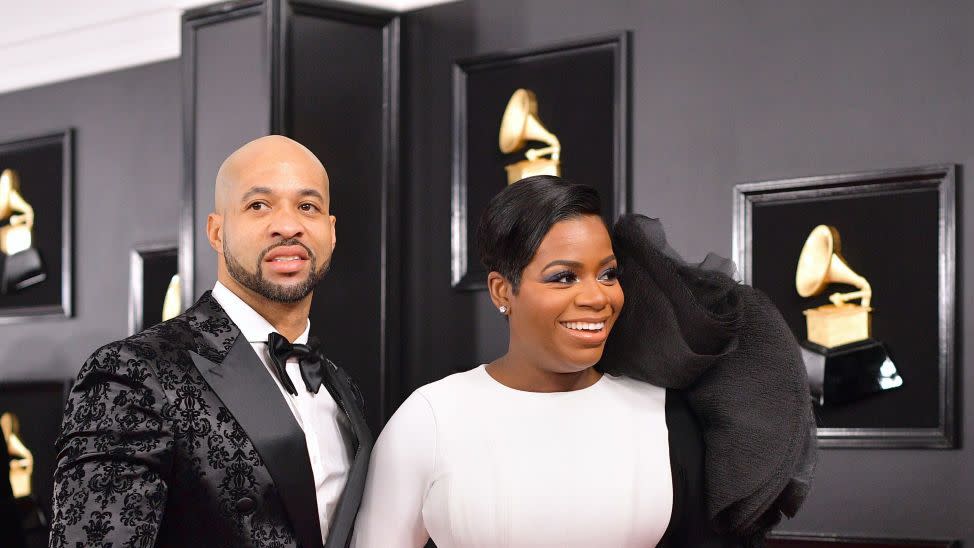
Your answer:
<point x="310" y="360"/>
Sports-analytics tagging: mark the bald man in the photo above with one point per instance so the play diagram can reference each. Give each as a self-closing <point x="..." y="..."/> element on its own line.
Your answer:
<point x="211" y="429"/>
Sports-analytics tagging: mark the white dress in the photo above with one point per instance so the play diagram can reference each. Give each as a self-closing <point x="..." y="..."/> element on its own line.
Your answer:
<point x="473" y="463"/>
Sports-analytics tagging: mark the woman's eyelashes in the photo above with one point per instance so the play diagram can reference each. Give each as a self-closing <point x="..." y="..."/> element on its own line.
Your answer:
<point x="568" y="277"/>
<point x="610" y="274"/>
<point x="563" y="277"/>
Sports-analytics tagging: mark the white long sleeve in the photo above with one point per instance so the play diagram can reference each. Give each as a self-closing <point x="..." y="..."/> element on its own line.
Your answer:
<point x="400" y="473"/>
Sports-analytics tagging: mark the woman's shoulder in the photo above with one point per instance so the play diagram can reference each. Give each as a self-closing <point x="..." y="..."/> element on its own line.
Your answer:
<point x="456" y="387"/>
<point x="441" y="403"/>
<point x="630" y="389"/>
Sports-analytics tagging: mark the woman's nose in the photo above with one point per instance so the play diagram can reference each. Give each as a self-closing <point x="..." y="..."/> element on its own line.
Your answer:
<point x="592" y="295"/>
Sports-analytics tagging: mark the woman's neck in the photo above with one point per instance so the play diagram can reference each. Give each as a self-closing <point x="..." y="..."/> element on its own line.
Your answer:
<point x="520" y="373"/>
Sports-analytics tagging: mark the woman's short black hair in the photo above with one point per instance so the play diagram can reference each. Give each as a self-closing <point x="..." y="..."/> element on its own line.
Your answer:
<point x="519" y="217"/>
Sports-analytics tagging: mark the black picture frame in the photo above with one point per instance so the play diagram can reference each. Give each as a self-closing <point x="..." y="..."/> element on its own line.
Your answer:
<point x="898" y="231"/>
<point x="39" y="406"/>
<point x="807" y="540"/>
<point x="151" y="267"/>
<point x="583" y="97"/>
<point x="45" y="167"/>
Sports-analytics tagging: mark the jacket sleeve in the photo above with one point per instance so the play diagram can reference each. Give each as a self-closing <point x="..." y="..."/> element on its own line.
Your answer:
<point x="689" y="523"/>
<point x="114" y="452"/>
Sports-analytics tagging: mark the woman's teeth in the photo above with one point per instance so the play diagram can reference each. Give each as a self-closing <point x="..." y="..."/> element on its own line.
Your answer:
<point x="584" y="326"/>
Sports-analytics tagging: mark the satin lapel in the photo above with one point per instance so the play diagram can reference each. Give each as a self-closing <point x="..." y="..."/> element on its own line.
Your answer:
<point x="342" y="521"/>
<point x="247" y="389"/>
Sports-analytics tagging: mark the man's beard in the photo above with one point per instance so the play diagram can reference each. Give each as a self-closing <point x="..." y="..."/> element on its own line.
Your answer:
<point x="279" y="293"/>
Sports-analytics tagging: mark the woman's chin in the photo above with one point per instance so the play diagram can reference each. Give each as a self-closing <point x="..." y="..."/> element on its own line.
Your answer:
<point x="580" y="360"/>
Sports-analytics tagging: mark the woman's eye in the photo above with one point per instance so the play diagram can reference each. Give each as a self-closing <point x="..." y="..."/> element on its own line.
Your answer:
<point x="610" y="275"/>
<point x="563" y="278"/>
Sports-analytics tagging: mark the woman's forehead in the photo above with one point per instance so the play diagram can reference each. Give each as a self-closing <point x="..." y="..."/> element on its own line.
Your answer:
<point x="575" y="237"/>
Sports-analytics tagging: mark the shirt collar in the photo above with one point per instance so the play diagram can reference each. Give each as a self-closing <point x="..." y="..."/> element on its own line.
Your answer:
<point x="252" y="325"/>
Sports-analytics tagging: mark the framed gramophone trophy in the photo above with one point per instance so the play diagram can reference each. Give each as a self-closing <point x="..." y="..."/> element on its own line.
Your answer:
<point x="843" y="361"/>
<point x="154" y="285"/>
<point x="556" y="110"/>
<point x="30" y="421"/>
<point x="35" y="228"/>
<point x="862" y="268"/>
<point x="519" y="125"/>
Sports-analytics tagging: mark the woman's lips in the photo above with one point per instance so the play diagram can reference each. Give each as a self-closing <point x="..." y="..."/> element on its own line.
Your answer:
<point x="593" y="333"/>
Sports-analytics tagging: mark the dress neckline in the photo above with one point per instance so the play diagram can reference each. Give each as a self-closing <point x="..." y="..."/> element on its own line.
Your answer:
<point x="481" y="371"/>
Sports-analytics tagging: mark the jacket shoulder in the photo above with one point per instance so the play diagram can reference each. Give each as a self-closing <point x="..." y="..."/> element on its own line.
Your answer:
<point x="161" y="345"/>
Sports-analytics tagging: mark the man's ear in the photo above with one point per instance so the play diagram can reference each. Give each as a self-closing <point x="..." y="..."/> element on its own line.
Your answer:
<point x="500" y="290"/>
<point x="214" y="231"/>
<point x="334" y="235"/>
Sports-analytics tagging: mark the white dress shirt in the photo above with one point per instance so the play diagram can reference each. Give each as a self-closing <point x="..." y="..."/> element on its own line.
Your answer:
<point x="323" y="422"/>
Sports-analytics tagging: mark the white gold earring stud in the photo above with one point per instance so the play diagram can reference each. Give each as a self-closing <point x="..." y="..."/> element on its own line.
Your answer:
<point x="502" y="309"/>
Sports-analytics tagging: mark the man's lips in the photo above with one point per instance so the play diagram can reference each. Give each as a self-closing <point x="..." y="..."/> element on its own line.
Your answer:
<point x="286" y="259"/>
<point x="286" y="251"/>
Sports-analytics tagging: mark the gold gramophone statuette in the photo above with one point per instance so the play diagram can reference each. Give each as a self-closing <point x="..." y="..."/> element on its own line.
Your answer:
<point x="21" y="459"/>
<point x="15" y="236"/>
<point x="519" y="125"/>
<point x="22" y="266"/>
<point x="820" y="264"/>
<point x="172" y="305"/>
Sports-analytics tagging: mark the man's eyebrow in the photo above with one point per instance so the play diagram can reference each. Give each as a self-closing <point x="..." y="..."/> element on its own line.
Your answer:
<point x="265" y="190"/>
<point x="311" y="192"/>
<point x="255" y="190"/>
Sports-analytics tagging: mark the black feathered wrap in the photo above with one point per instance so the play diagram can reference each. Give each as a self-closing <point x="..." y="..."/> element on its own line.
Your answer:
<point x="725" y="345"/>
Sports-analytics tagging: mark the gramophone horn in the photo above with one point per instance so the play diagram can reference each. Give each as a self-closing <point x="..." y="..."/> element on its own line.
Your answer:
<point x="821" y="263"/>
<point x="521" y="124"/>
<point x="171" y="305"/>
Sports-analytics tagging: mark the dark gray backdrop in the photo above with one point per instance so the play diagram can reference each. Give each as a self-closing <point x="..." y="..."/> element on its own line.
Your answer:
<point x="723" y="92"/>
<point x="127" y="190"/>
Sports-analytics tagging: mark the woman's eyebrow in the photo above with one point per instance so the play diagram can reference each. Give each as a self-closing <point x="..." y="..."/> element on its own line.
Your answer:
<point x="562" y="262"/>
<point x="576" y="264"/>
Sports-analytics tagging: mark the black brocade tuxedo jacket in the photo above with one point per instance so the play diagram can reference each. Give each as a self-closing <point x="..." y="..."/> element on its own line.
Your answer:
<point x="178" y="436"/>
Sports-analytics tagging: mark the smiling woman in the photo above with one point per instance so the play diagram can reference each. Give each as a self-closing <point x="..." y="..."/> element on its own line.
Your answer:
<point x="540" y="447"/>
<point x="555" y="274"/>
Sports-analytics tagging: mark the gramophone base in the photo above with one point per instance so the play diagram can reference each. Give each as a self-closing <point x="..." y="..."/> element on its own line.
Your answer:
<point x="530" y="168"/>
<point x="850" y="372"/>
<point x="31" y="516"/>
<point x="21" y="270"/>
<point x="833" y="326"/>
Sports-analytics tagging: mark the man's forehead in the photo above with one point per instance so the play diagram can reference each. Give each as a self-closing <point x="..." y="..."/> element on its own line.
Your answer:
<point x="279" y="177"/>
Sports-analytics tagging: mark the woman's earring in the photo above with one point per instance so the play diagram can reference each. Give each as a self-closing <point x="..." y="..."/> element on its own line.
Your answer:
<point x="502" y="309"/>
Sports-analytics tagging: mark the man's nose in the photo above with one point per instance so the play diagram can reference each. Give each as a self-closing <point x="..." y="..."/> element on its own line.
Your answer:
<point x="286" y="224"/>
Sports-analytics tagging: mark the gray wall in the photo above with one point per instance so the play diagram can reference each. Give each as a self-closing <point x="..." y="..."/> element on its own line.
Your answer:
<point x="724" y="92"/>
<point x="127" y="191"/>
